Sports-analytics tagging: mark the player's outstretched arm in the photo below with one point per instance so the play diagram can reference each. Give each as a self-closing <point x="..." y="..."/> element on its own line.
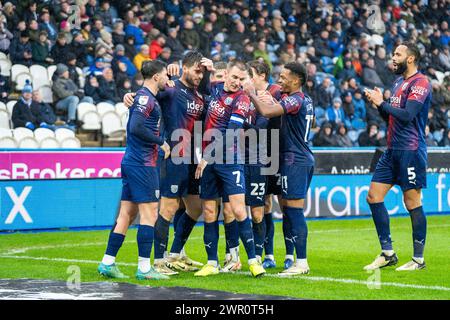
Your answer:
<point x="265" y="103"/>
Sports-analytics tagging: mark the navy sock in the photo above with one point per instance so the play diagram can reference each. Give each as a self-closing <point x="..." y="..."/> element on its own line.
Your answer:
<point x="299" y="230"/>
<point x="246" y="235"/>
<point x="231" y="235"/>
<point x="419" y="226"/>
<point x="115" y="241"/>
<point x="176" y="218"/>
<point x="184" y="229"/>
<point x="161" y="236"/>
<point x="259" y="233"/>
<point x="145" y="240"/>
<point x="381" y="219"/>
<point x="287" y="235"/>
<point x="211" y="239"/>
<point x="270" y="230"/>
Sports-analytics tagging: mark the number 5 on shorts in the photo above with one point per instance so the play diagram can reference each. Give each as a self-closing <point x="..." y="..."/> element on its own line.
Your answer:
<point x="411" y="174"/>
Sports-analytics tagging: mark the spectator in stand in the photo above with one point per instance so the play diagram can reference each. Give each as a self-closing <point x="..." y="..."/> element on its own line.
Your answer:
<point x="159" y="21"/>
<point x="118" y="34"/>
<point x="261" y="52"/>
<point x="166" y="56"/>
<point x="45" y="116"/>
<point x="370" y="76"/>
<point x="119" y="56"/>
<point x="5" y="38"/>
<point x="175" y="44"/>
<point x="40" y="50"/>
<point x="429" y="138"/>
<point x="60" y="50"/>
<point x="48" y="26"/>
<point x="20" y="50"/>
<point x="189" y="37"/>
<point x="4" y="88"/>
<point x="157" y="46"/>
<point x="132" y="29"/>
<point x="92" y="88"/>
<point x="143" y="55"/>
<point x="325" y="95"/>
<point x="130" y="49"/>
<point x="21" y="114"/>
<point x="72" y="66"/>
<point x="97" y="68"/>
<point x="67" y="94"/>
<point x="342" y="138"/>
<point x="372" y="137"/>
<point x="336" y="115"/>
<point x="124" y="88"/>
<point x="358" y="121"/>
<point x="324" y="138"/>
<point x="445" y="142"/>
<point x="108" y="88"/>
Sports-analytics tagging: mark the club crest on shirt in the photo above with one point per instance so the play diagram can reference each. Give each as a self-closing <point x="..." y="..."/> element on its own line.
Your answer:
<point x="228" y="101"/>
<point x="143" y="100"/>
<point x="405" y="85"/>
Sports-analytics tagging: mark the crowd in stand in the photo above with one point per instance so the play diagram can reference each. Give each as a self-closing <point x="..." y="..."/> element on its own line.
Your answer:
<point x="346" y="46"/>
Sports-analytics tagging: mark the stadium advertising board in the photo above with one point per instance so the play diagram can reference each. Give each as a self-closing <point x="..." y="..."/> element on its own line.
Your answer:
<point x="94" y="202"/>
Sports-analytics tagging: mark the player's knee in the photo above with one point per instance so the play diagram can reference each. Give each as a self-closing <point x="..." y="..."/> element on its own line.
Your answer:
<point x="372" y="197"/>
<point x="411" y="204"/>
<point x="209" y="214"/>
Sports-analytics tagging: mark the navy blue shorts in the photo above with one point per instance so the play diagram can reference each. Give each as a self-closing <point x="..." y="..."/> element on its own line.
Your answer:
<point x="295" y="180"/>
<point x="222" y="180"/>
<point x="140" y="183"/>
<point x="255" y="186"/>
<point x="178" y="180"/>
<point x="405" y="168"/>
<point x="274" y="184"/>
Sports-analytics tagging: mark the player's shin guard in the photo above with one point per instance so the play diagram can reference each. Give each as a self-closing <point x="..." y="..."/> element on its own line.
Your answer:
<point x="259" y="232"/>
<point x="211" y="239"/>
<point x="177" y="217"/>
<point x="184" y="229"/>
<point x="287" y="235"/>
<point x="246" y="235"/>
<point x="299" y="230"/>
<point x="145" y="241"/>
<point x="231" y="235"/>
<point x="381" y="219"/>
<point x="161" y="236"/>
<point x="270" y="231"/>
<point x="419" y="226"/>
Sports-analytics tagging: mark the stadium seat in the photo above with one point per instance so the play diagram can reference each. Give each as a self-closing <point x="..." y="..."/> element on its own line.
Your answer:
<point x="21" y="133"/>
<point x="10" y="106"/>
<point x="104" y="107"/>
<point x="21" y="78"/>
<point x="5" y="133"/>
<point x="49" y="143"/>
<point x="28" y="143"/>
<point x="42" y="133"/>
<point x="438" y="135"/>
<point x="64" y="133"/>
<point x="70" y="143"/>
<point x="47" y="93"/>
<point x="91" y="121"/>
<point x="83" y="108"/>
<point x="7" y="142"/>
<point x="3" y="56"/>
<point x="18" y="69"/>
<point x="112" y="127"/>
<point x="124" y="119"/>
<point x="353" y="135"/>
<point x="50" y="71"/>
<point x="40" y="76"/>
<point x="4" y="119"/>
<point x="120" y="108"/>
<point x="5" y="66"/>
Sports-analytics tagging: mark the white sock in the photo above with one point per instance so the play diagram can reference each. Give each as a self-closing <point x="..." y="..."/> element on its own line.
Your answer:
<point x="144" y="264"/>
<point x="258" y="258"/>
<point x="212" y="263"/>
<point x="228" y="256"/>
<point x="301" y="263"/>
<point x="419" y="260"/>
<point x="174" y="255"/>
<point x="290" y="257"/>
<point x="388" y="252"/>
<point x="270" y="256"/>
<point x="108" y="260"/>
<point x="251" y="261"/>
<point x="234" y="253"/>
<point x="182" y="252"/>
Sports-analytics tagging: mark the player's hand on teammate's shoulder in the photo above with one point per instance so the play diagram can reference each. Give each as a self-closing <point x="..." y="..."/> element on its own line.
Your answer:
<point x="200" y="167"/>
<point x="166" y="148"/>
<point x="173" y="69"/>
<point x="128" y="99"/>
<point x="208" y="64"/>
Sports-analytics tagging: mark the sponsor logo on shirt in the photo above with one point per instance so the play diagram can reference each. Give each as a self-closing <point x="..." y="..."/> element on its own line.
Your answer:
<point x="418" y="91"/>
<point x="216" y="108"/>
<point x="395" y="101"/>
<point x="194" y="108"/>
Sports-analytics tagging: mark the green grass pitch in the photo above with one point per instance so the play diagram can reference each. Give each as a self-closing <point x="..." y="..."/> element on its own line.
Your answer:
<point x="337" y="252"/>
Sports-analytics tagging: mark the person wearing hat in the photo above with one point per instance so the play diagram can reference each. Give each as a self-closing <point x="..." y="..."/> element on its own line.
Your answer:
<point x="372" y="137"/>
<point x="67" y="94"/>
<point x="20" y="50"/>
<point x="22" y="115"/>
<point x="40" y="50"/>
<point x="335" y="114"/>
<point x="48" y="26"/>
<point x="79" y="48"/>
<point x="120" y="57"/>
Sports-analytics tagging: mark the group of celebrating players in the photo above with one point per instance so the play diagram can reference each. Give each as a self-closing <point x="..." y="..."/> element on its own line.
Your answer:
<point x="159" y="161"/>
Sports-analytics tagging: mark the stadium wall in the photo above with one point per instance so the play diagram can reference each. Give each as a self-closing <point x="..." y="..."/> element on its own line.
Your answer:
<point x="72" y="203"/>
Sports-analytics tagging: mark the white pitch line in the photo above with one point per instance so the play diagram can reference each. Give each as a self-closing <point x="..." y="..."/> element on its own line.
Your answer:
<point x="272" y="275"/>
